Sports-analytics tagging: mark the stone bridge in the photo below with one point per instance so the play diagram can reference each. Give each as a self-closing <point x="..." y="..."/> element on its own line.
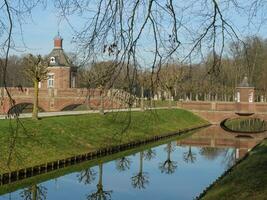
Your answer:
<point x="216" y="112"/>
<point x="61" y="100"/>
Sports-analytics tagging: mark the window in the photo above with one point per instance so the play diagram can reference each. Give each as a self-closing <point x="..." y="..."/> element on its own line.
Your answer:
<point x="39" y="84"/>
<point x="238" y="97"/>
<point x="50" y="81"/>
<point x="250" y="97"/>
<point x="73" y="80"/>
<point x="52" y="60"/>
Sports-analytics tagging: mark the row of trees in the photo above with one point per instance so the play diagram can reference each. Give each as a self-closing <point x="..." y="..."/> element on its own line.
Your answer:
<point x="195" y="81"/>
<point x="244" y="58"/>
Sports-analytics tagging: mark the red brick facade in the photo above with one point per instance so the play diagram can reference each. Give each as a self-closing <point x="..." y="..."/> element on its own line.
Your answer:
<point x="59" y="90"/>
<point x="62" y="78"/>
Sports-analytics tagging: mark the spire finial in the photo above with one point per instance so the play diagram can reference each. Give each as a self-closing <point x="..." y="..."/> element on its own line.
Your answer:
<point x="58" y="41"/>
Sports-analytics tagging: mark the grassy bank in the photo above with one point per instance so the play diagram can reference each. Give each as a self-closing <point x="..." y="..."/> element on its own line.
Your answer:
<point x="248" y="180"/>
<point x="53" y="138"/>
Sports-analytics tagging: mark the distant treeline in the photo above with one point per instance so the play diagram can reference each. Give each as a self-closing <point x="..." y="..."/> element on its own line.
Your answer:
<point x="213" y="79"/>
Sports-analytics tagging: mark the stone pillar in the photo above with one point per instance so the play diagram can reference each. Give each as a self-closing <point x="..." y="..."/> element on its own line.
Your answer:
<point x="196" y="96"/>
<point x="262" y="98"/>
<point x="213" y="106"/>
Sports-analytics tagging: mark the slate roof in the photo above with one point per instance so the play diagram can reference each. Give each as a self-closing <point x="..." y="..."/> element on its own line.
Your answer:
<point x="61" y="59"/>
<point x="244" y="83"/>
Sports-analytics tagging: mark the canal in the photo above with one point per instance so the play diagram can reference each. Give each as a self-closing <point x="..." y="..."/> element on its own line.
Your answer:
<point x="172" y="169"/>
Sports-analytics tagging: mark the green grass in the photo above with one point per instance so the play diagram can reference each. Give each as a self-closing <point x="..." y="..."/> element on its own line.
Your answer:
<point x="147" y="103"/>
<point x="59" y="137"/>
<point x="159" y="103"/>
<point x="248" y="180"/>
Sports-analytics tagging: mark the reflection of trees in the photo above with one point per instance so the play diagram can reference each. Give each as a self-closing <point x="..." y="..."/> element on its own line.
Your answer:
<point x="123" y="164"/>
<point x="168" y="166"/>
<point x="100" y="193"/>
<point x="189" y="156"/>
<point x="247" y="125"/>
<point x="229" y="157"/>
<point x="149" y="154"/>
<point x="87" y="176"/>
<point x="35" y="192"/>
<point x="141" y="179"/>
<point x="211" y="153"/>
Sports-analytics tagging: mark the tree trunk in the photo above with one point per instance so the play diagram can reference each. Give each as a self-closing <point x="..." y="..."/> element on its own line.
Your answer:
<point x="101" y="110"/>
<point x="141" y="162"/>
<point x="142" y="98"/>
<point x="170" y="100"/>
<point x="35" y="101"/>
<point x="100" y="174"/>
<point x="88" y="99"/>
<point x="34" y="192"/>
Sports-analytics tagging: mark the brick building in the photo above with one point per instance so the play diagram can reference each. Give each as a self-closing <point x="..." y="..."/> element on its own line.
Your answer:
<point x="244" y="92"/>
<point x="62" y="73"/>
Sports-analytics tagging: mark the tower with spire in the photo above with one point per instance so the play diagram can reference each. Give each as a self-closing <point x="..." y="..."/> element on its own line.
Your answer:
<point x="245" y="92"/>
<point x="62" y="73"/>
<point x="245" y="97"/>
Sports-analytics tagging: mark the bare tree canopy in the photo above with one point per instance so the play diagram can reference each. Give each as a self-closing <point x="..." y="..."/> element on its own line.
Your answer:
<point x="132" y="30"/>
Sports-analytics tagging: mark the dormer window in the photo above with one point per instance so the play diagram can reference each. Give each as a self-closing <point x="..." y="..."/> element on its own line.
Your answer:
<point x="52" y="60"/>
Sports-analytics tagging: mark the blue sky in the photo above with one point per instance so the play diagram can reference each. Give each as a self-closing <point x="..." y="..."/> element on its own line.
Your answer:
<point x="39" y="32"/>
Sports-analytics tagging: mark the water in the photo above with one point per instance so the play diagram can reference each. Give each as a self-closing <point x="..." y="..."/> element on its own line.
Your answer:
<point x="178" y="169"/>
<point x="248" y="125"/>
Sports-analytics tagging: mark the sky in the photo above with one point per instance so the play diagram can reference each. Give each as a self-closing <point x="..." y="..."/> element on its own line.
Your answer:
<point x="38" y="33"/>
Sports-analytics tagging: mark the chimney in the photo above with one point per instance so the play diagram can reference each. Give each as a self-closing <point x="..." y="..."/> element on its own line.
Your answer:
<point x="58" y="42"/>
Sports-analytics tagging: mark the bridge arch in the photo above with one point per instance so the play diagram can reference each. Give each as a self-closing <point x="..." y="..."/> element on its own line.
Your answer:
<point x="71" y="107"/>
<point x="23" y="107"/>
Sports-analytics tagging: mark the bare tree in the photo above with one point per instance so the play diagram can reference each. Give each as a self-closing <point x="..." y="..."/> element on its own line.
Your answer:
<point x="170" y="75"/>
<point x="35" y="192"/>
<point x="150" y="32"/>
<point x="100" y="192"/>
<point x="168" y="166"/>
<point x="87" y="176"/>
<point x="123" y="164"/>
<point x="141" y="179"/>
<point x="36" y="70"/>
<point x="189" y="156"/>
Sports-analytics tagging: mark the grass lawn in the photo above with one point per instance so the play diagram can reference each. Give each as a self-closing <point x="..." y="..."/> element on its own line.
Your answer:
<point x="55" y="138"/>
<point x="147" y="103"/>
<point x="159" y="103"/>
<point x="248" y="180"/>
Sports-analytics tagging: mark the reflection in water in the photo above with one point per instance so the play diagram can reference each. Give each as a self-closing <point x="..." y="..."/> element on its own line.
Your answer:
<point x="87" y="176"/>
<point x="149" y="154"/>
<point x="190" y="156"/>
<point x="140" y="179"/>
<point x="100" y="193"/>
<point x="168" y="166"/>
<point x="229" y="158"/>
<point x="123" y="164"/>
<point x="34" y="192"/>
<point x="246" y="125"/>
<point x="209" y="152"/>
